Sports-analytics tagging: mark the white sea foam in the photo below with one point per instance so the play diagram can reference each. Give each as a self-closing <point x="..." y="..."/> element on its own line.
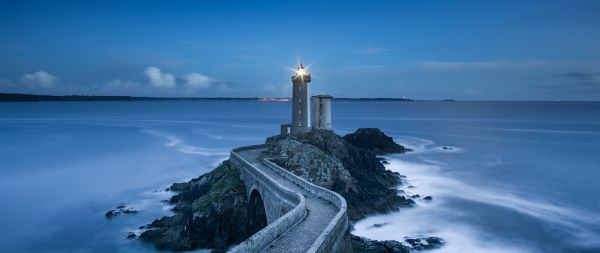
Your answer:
<point x="178" y="144"/>
<point x="437" y="218"/>
<point x="219" y="137"/>
<point x="420" y="145"/>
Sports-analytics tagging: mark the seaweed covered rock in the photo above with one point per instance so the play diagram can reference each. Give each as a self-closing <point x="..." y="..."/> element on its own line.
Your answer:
<point x="371" y="188"/>
<point x="210" y="212"/>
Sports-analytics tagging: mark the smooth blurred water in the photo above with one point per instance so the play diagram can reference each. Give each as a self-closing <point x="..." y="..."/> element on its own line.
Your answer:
<point x="520" y="177"/>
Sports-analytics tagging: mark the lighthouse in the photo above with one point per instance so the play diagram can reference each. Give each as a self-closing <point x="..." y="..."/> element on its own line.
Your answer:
<point x="301" y="104"/>
<point x="300" y="81"/>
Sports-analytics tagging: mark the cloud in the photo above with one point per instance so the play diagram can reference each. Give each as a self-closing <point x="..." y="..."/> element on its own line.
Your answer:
<point x="197" y="81"/>
<point x="118" y="86"/>
<point x="579" y="82"/>
<point x="582" y="78"/>
<point x="159" y="79"/>
<point x="39" y="78"/>
<point x="455" y="65"/>
<point x="373" y="50"/>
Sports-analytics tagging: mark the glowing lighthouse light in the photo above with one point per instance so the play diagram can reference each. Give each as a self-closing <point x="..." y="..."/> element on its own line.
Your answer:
<point x="301" y="71"/>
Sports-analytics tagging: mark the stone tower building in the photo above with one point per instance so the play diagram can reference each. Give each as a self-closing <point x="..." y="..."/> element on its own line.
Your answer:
<point x="320" y="114"/>
<point x="300" y="101"/>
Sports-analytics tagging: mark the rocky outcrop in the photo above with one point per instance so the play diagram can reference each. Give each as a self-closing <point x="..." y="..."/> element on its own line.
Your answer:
<point x="375" y="140"/>
<point x="424" y="243"/>
<point x="361" y="244"/>
<point x="211" y="211"/>
<point x="312" y="164"/>
<point x="369" y="189"/>
<point x="120" y="209"/>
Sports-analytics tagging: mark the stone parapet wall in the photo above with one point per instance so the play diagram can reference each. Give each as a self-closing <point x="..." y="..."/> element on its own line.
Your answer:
<point x="332" y="238"/>
<point x="265" y="236"/>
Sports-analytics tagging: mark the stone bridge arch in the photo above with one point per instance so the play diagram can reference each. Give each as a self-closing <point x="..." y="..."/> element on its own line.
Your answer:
<point x="275" y="203"/>
<point x="257" y="215"/>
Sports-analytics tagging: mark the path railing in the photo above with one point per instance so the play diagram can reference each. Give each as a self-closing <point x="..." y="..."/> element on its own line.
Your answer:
<point x="268" y="234"/>
<point x="330" y="240"/>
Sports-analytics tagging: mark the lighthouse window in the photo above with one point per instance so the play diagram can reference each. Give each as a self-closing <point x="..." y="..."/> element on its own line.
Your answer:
<point x="299" y="112"/>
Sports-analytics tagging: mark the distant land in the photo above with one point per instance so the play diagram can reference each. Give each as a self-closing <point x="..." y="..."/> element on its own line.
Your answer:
<point x="16" y="97"/>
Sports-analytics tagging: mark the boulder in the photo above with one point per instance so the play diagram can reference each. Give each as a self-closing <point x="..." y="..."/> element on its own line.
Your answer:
<point x="375" y="140"/>
<point x="424" y="243"/>
<point x="120" y="209"/>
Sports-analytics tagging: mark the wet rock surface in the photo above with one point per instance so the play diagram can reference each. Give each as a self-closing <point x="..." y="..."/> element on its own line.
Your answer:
<point x="361" y="244"/>
<point x="375" y="140"/>
<point x="211" y="211"/>
<point x="120" y="209"/>
<point x="424" y="243"/>
<point x="369" y="189"/>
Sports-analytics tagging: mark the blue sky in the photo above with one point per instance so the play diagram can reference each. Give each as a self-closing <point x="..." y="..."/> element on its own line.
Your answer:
<point x="472" y="50"/>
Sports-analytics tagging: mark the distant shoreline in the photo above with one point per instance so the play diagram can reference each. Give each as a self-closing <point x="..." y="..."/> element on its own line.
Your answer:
<point x="22" y="97"/>
<point x="17" y="97"/>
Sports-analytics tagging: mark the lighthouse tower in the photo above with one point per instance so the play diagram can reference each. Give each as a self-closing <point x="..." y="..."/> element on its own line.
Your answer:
<point x="300" y="102"/>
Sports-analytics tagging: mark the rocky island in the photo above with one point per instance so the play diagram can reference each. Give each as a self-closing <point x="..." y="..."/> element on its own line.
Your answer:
<point x="211" y="211"/>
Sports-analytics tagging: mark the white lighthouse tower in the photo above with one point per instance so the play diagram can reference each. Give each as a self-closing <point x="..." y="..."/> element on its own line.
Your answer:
<point x="300" y="102"/>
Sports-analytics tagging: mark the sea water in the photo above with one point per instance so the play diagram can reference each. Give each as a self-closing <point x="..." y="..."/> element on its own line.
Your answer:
<point x="513" y="176"/>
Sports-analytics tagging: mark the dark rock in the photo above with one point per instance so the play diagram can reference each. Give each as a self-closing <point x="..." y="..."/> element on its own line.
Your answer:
<point x="211" y="212"/>
<point x="415" y="196"/>
<point x="121" y="209"/>
<point x="361" y="244"/>
<point x="428" y="198"/>
<point x="375" y="140"/>
<point x="179" y="187"/>
<point x="111" y="213"/>
<point x="428" y="243"/>
<point x="372" y="186"/>
<point x="129" y="211"/>
<point x="131" y="235"/>
<point x="435" y="241"/>
<point x="142" y="227"/>
<point x="378" y="225"/>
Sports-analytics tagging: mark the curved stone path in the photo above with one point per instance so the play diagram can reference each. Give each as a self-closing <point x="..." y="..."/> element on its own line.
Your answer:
<point x="320" y="212"/>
